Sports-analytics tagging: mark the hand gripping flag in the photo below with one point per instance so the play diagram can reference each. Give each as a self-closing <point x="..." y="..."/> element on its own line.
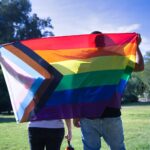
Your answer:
<point x="67" y="76"/>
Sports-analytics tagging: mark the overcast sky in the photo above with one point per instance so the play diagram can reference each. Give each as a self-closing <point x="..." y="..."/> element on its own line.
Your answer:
<point x="71" y="17"/>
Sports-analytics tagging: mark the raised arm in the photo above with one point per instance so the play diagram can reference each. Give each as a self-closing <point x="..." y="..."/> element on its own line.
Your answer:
<point x="139" y="66"/>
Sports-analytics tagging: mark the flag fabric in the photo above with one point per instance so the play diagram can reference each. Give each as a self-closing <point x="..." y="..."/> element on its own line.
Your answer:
<point x="67" y="76"/>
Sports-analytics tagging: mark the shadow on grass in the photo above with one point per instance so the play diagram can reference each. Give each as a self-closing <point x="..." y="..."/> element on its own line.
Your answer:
<point x="7" y="118"/>
<point x="136" y="104"/>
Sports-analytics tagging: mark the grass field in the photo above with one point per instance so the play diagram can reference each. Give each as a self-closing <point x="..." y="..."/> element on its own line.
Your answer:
<point x="136" y="121"/>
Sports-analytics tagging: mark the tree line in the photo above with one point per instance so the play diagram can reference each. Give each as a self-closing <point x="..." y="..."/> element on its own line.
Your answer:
<point x="17" y="22"/>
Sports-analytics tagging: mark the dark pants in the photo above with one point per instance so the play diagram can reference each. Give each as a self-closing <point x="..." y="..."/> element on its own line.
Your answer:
<point x="39" y="138"/>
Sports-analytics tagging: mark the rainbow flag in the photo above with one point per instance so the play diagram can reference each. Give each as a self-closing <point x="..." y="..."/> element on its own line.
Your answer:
<point x="68" y="76"/>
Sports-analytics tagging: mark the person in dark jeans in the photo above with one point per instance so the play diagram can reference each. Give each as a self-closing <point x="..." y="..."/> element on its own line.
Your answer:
<point x="48" y="134"/>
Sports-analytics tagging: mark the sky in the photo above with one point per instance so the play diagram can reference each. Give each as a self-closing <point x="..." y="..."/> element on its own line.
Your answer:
<point x="72" y="17"/>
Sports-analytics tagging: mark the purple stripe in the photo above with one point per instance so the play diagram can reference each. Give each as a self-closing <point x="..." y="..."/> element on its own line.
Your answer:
<point x="116" y="101"/>
<point x="80" y="110"/>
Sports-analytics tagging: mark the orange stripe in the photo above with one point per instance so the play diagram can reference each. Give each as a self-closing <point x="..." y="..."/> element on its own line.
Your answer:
<point x="72" y="54"/>
<point x="27" y="111"/>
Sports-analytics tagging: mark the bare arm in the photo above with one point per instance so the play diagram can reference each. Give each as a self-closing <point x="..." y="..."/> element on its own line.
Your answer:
<point x="139" y="66"/>
<point x="69" y="129"/>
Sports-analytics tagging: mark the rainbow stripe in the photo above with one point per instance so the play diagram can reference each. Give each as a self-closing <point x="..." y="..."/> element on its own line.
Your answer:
<point x="72" y="76"/>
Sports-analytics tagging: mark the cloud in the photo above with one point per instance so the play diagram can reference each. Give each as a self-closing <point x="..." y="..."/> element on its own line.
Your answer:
<point x="121" y="29"/>
<point x="128" y="28"/>
<point x="100" y="23"/>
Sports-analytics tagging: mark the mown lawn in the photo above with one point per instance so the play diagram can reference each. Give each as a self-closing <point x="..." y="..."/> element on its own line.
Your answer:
<point x="136" y="121"/>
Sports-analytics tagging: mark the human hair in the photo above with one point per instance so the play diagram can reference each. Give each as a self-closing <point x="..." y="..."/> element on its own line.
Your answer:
<point x="99" y="39"/>
<point x="96" y="32"/>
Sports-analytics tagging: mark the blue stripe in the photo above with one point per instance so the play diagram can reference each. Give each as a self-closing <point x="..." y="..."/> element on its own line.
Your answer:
<point x="121" y="86"/>
<point x="84" y="95"/>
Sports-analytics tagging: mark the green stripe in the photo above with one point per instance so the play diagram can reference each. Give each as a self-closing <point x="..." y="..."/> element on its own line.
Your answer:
<point x="98" y="78"/>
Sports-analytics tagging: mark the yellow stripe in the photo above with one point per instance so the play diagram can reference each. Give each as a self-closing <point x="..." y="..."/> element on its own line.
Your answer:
<point x="94" y="64"/>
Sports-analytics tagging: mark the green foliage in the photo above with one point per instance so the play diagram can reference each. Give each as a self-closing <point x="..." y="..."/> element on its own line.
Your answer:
<point x="135" y="88"/>
<point x="146" y="75"/>
<point x="17" y="22"/>
<point x="5" y="104"/>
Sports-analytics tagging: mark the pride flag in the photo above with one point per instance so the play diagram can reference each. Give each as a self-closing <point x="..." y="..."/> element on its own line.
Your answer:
<point x="68" y="76"/>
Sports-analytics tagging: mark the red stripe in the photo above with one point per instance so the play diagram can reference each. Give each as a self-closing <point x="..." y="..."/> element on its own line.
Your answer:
<point x="80" y="41"/>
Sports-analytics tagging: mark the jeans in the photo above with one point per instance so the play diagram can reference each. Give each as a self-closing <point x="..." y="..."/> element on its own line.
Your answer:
<point x="109" y="128"/>
<point x="40" y="138"/>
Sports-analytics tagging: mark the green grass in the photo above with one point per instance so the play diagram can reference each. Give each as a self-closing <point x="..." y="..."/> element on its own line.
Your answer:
<point x="136" y="121"/>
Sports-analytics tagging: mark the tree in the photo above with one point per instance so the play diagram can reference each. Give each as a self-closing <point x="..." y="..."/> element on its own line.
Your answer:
<point x="135" y="87"/>
<point x="5" y="104"/>
<point x="146" y="74"/>
<point x="17" y="23"/>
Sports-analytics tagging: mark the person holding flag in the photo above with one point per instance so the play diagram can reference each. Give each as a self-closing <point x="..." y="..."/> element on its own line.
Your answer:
<point x="109" y="124"/>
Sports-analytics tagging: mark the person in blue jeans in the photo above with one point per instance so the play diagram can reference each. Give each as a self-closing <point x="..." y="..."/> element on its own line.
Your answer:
<point x="109" y="124"/>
